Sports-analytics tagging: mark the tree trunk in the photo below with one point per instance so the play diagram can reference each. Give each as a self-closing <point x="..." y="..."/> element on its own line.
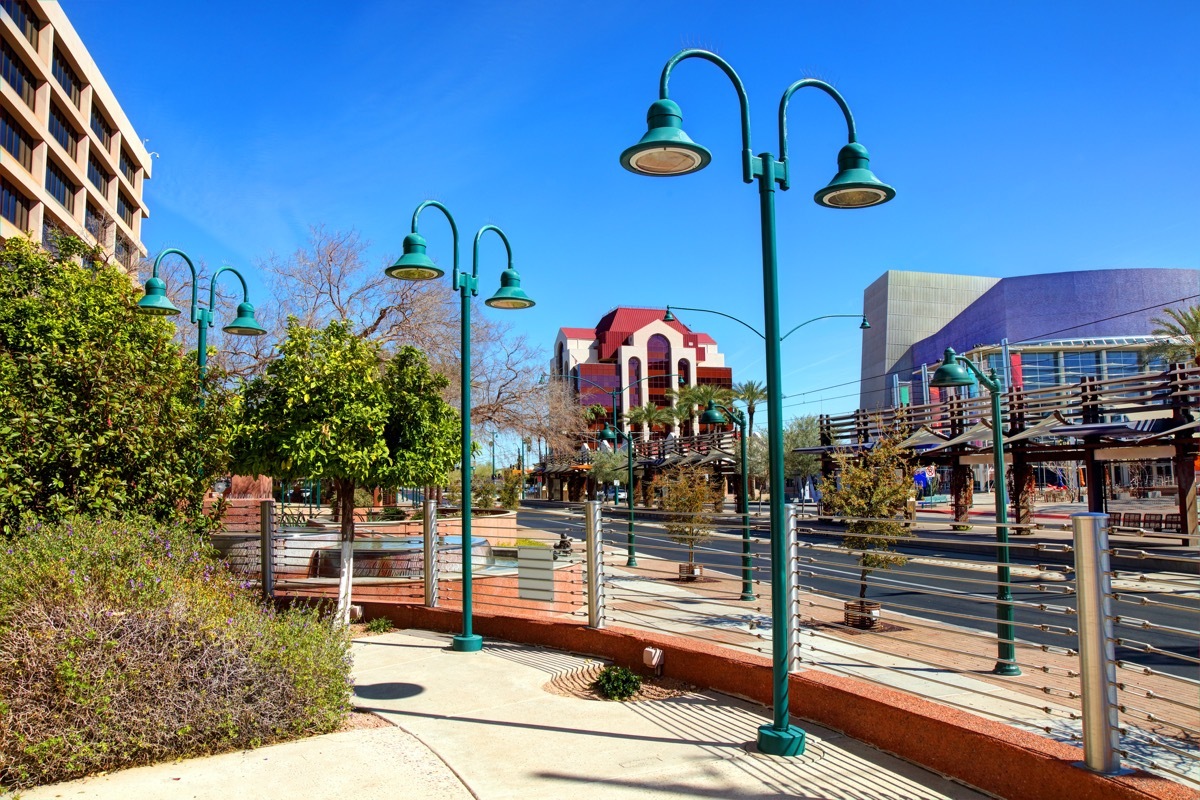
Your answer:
<point x="345" y="490"/>
<point x="862" y="584"/>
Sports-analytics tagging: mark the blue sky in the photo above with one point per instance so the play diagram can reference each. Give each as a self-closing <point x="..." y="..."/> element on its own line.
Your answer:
<point x="1022" y="137"/>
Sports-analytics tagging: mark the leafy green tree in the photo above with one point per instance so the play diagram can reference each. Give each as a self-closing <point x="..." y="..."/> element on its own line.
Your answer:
<point x="609" y="465"/>
<point x="801" y="432"/>
<point x="512" y="489"/>
<point x="751" y="393"/>
<point x="688" y="496"/>
<point x="649" y="417"/>
<point x="873" y="487"/>
<point x="330" y="407"/>
<point x="1182" y="329"/>
<point x="99" y="409"/>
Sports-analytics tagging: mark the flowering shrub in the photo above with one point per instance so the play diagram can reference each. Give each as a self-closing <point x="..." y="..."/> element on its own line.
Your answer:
<point x="122" y="644"/>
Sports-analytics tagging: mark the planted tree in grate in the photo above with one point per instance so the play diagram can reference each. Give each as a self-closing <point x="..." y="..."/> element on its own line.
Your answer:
<point x="873" y="486"/>
<point x="687" y="494"/>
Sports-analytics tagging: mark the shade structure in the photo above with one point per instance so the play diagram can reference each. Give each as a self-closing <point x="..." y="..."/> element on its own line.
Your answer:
<point x="414" y="264"/>
<point x="665" y="149"/>
<point x="156" y="301"/>
<point x="245" y="324"/>
<point x="510" y="294"/>
<point x="854" y="186"/>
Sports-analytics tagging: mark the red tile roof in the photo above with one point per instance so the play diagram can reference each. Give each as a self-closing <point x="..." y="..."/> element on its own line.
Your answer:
<point x="579" y="333"/>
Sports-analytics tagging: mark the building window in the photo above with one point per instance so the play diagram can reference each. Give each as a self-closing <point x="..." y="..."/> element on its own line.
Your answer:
<point x="23" y="16"/>
<point x="60" y="187"/>
<point x="635" y="387"/>
<point x="125" y="209"/>
<point x="1038" y="370"/>
<point x="98" y="175"/>
<point x="14" y="206"/>
<point x="66" y="77"/>
<point x="128" y="168"/>
<point x="124" y="251"/>
<point x="96" y="223"/>
<point x="15" y="74"/>
<point x="14" y="140"/>
<point x="684" y="370"/>
<point x="101" y="127"/>
<point x="62" y="131"/>
<point x="1079" y="365"/>
<point x="658" y="367"/>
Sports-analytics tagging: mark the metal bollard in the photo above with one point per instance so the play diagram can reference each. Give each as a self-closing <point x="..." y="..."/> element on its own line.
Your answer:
<point x="1097" y="655"/>
<point x="429" y="528"/>
<point x="266" y="548"/>
<point x="594" y="563"/>
<point x="791" y="517"/>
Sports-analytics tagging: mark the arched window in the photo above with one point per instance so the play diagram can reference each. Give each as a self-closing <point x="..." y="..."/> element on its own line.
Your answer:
<point x="635" y="388"/>
<point x="684" y="370"/>
<point x="560" y="367"/>
<point x="658" y="367"/>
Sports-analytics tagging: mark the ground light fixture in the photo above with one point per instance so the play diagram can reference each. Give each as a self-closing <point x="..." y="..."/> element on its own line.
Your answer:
<point x="666" y="150"/>
<point x="156" y="303"/>
<point x="415" y="265"/>
<point x="958" y="371"/>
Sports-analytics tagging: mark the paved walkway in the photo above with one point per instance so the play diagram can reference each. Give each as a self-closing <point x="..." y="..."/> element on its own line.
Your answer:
<point x="481" y="725"/>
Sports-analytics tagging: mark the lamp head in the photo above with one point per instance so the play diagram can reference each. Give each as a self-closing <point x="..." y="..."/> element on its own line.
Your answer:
<point x="608" y="434"/>
<point x="668" y="317"/>
<point x="854" y="186"/>
<point x="665" y="150"/>
<point x="156" y="301"/>
<point x="510" y="294"/>
<point x="865" y="325"/>
<point x="713" y="415"/>
<point x="414" y="264"/>
<point x="245" y="324"/>
<point x="951" y="372"/>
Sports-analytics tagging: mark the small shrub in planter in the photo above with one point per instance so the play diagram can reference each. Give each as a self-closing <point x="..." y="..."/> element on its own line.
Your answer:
<point x="617" y="683"/>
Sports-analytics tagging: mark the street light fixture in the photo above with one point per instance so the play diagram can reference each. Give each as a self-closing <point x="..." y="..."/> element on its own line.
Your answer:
<point x="666" y="150"/>
<point x="717" y="414"/>
<point x="156" y="303"/>
<point x="415" y="265"/>
<point x="958" y="371"/>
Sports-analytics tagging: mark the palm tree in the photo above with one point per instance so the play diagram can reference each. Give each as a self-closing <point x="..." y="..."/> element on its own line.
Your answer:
<point x="751" y="393"/>
<point x="649" y="417"/>
<point x="1182" y="331"/>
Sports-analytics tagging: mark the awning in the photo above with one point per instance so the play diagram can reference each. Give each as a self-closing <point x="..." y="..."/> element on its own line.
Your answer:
<point x="1133" y="429"/>
<point x="923" y="437"/>
<point x="1184" y="427"/>
<point x="1041" y="428"/>
<point x="979" y="432"/>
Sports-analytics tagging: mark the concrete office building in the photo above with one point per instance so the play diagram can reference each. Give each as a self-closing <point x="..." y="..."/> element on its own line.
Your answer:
<point x="69" y="157"/>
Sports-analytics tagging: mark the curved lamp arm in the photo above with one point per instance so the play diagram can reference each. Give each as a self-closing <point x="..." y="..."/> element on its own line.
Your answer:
<point x="475" y="255"/>
<point x="195" y="275"/>
<point x="212" y="290"/>
<point x="814" y="319"/>
<point x="990" y="383"/>
<point x="783" y="104"/>
<point x="453" y="230"/>
<point x="735" y="413"/>
<point x="743" y="99"/>
<point x="721" y="314"/>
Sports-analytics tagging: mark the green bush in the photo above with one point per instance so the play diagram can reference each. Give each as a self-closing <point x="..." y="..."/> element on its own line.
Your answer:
<point x="380" y="625"/>
<point x="617" y="683"/>
<point x="124" y="644"/>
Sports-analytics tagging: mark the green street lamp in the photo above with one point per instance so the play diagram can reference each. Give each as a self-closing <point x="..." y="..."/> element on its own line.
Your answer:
<point x="666" y="150"/>
<point x="156" y="303"/>
<point x="717" y="414"/>
<point x="958" y="371"/>
<point x="415" y="265"/>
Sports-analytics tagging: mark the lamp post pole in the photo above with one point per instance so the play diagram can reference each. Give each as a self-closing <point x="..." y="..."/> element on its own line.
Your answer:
<point x="415" y="265"/>
<point x="952" y="373"/>
<point x="156" y="303"/>
<point x="717" y="414"/>
<point x="666" y="150"/>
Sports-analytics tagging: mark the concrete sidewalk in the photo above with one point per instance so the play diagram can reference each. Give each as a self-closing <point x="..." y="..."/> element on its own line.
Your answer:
<point x="481" y="725"/>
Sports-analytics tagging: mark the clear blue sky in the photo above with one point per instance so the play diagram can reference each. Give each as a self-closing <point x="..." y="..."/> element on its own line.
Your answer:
<point x="1022" y="137"/>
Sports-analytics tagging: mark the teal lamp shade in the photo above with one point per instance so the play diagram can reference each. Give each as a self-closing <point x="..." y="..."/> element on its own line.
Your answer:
<point x="245" y="324"/>
<point x="865" y="325"/>
<point x="510" y="294"/>
<point x="713" y="415"/>
<point x="951" y="372"/>
<point x="668" y="317"/>
<point x="608" y="434"/>
<point x="665" y="149"/>
<point x="414" y="264"/>
<point x="156" y="302"/>
<point x="854" y="186"/>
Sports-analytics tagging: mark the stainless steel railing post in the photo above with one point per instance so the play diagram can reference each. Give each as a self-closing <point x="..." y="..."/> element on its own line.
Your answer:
<point x="593" y="542"/>
<point x="429" y="528"/>
<point x="791" y="516"/>
<point x="1097" y="654"/>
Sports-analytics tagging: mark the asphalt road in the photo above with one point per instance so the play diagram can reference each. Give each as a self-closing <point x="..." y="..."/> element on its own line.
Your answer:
<point x="957" y="590"/>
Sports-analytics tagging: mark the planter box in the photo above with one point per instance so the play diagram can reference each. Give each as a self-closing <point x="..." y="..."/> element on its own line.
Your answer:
<point x="862" y="614"/>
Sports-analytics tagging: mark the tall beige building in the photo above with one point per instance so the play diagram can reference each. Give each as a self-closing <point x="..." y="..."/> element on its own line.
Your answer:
<point x="69" y="157"/>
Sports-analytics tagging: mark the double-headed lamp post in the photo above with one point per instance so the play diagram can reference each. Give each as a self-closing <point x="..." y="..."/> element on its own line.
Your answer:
<point x="156" y="303"/>
<point x="957" y="371"/>
<point x="665" y="150"/>
<point x="415" y="265"/>
<point x="717" y="414"/>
